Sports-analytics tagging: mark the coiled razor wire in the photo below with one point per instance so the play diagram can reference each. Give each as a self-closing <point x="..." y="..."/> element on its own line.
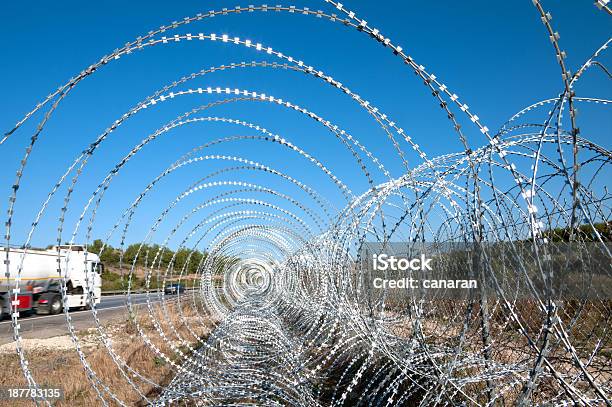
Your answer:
<point x="298" y="321"/>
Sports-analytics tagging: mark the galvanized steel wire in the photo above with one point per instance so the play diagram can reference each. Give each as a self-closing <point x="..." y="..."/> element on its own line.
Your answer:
<point x="298" y="324"/>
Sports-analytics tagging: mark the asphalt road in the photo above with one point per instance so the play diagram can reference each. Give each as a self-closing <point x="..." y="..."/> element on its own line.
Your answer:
<point x="46" y="326"/>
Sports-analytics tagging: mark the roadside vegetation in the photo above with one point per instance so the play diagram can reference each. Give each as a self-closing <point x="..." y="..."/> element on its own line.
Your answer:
<point x="154" y="260"/>
<point x="48" y="363"/>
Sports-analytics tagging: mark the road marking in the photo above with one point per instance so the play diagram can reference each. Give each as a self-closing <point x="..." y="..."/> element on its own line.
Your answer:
<point x="34" y="318"/>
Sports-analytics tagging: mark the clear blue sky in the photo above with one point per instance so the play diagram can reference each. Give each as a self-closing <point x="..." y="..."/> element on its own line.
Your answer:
<point x="495" y="55"/>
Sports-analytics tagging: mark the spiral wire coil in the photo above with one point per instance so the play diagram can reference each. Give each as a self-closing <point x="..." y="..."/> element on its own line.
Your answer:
<point x="285" y="274"/>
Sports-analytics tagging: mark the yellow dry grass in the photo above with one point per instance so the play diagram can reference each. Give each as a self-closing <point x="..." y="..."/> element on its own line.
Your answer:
<point x="63" y="368"/>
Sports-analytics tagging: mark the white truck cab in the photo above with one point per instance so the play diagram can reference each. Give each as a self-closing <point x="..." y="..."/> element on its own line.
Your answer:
<point x="38" y="276"/>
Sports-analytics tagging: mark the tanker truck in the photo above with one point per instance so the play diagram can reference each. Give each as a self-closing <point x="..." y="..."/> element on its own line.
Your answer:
<point x="39" y="286"/>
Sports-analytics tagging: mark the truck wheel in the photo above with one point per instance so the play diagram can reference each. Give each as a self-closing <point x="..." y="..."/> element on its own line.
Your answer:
<point x="55" y="305"/>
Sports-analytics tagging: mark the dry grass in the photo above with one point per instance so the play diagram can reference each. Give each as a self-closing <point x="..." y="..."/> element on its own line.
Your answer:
<point x="510" y="348"/>
<point x="63" y="368"/>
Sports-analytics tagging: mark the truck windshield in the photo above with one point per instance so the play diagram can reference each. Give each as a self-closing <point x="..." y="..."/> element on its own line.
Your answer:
<point x="97" y="267"/>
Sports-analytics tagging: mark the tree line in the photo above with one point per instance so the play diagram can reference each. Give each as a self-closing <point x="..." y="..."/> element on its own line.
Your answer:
<point x="111" y="256"/>
<point x="582" y="233"/>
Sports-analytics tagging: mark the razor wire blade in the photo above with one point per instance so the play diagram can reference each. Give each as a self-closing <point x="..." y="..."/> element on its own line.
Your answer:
<point x="286" y="274"/>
